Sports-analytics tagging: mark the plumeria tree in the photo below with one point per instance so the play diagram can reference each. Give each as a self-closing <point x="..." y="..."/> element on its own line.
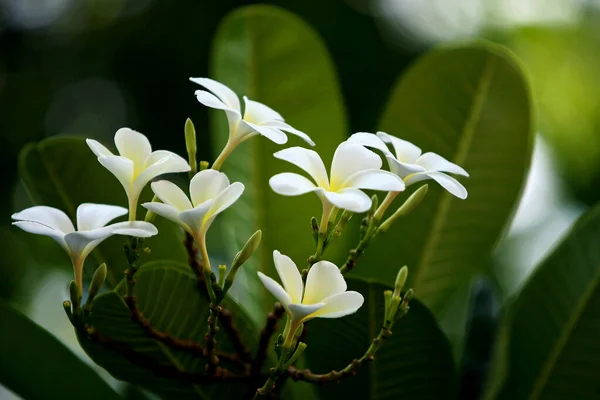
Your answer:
<point x="304" y="260"/>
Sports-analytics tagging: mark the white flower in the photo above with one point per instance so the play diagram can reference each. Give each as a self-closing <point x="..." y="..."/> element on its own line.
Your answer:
<point x="353" y="168"/>
<point x="412" y="166"/>
<point x="324" y="295"/>
<point x="136" y="164"/>
<point x="210" y="193"/>
<point x="91" y="229"/>
<point x="258" y="119"/>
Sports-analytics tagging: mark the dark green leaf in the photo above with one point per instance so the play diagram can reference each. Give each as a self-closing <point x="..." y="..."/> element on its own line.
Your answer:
<point x="35" y="365"/>
<point x="414" y="363"/>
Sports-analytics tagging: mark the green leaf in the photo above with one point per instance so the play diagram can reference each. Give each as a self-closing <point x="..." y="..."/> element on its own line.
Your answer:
<point x="472" y="106"/>
<point x="414" y="363"/>
<point x="549" y="348"/>
<point x="257" y="51"/>
<point x="63" y="173"/>
<point x="34" y="364"/>
<point x="167" y="295"/>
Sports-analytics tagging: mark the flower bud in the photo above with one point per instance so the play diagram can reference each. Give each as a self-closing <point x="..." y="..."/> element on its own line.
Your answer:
<point x="97" y="281"/>
<point x="190" y="144"/>
<point x="241" y="257"/>
<point x="75" y="295"/>
<point x="222" y="270"/>
<point x="400" y="281"/>
<point x="149" y="214"/>
<point x="299" y="350"/>
<point x="203" y="165"/>
<point x="406" y="208"/>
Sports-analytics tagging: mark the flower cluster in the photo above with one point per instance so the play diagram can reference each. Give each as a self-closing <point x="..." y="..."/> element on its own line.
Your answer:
<point x="321" y="290"/>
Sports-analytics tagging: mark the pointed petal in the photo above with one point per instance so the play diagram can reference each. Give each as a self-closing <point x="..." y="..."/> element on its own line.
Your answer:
<point x="209" y="100"/>
<point x="258" y="113"/>
<point x="176" y="162"/>
<point x="349" y="158"/>
<point x="224" y="93"/>
<point x="167" y="211"/>
<point x="169" y="193"/>
<point x="375" y="179"/>
<point x="139" y="229"/>
<point x="289" y="275"/>
<point x="164" y="164"/>
<point x="207" y="184"/>
<point x="406" y="152"/>
<point x="370" y="140"/>
<point x="340" y="305"/>
<point x="226" y="198"/>
<point x="51" y="217"/>
<point x="274" y="135"/>
<point x="446" y="181"/>
<point x="195" y="218"/>
<point x="290" y="184"/>
<point x="349" y="199"/>
<point x="302" y="312"/>
<point x="402" y="169"/>
<point x="276" y="290"/>
<point x="435" y="162"/>
<point x="98" y="149"/>
<point x="121" y="168"/>
<point x="133" y="145"/>
<point x="308" y="160"/>
<point x="92" y="216"/>
<point x="41" y="229"/>
<point x="287" y="128"/>
<point x="324" y="279"/>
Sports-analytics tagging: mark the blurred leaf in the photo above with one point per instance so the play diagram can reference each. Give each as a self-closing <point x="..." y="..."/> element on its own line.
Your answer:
<point x="549" y="346"/>
<point x="35" y="365"/>
<point x="167" y="295"/>
<point x="414" y="363"/>
<point x="63" y="173"/>
<point x="260" y="51"/>
<point x="471" y="105"/>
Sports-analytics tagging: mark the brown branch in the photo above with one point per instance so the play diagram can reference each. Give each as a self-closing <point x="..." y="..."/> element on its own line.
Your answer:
<point x="265" y="337"/>
<point x="193" y="261"/>
<point x="211" y="341"/>
<point x="226" y="318"/>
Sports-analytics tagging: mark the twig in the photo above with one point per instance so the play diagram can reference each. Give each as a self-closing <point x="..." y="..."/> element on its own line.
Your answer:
<point x="355" y="253"/>
<point x="211" y="342"/>
<point x="193" y="261"/>
<point x="226" y="318"/>
<point x="265" y="337"/>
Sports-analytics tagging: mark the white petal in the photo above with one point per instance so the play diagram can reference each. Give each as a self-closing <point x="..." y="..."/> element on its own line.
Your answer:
<point x="274" y="135"/>
<point x="195" y="218"/>
<point x="403" y="169"/>
<point x="302" y="312"/>
<point x="290" y="184"/>
<point x="275" y="289"/>
<point x="207" y="184"/>
<point x="405" y="151"/>
<point x="176" y="162"/>
<point x="226" y="198"/>
<point x="435" y="162"/>
<point x="324" y="279"/>
<point x="224" y="93"/>
<point x="370" y="140"/>
<point x="308" y="160"/>
<point x="140" y="229"/>
<point x="133" y="145"/>
<point x="349" y="199"/>
<point x="349" y="158"/>
<point x="41" y="229"/>
<point x="163" y="165"/>
<point x="93" y="216"/>
<point x="287" y="128"/>
<point x="289" y="275"/>
<point x="257" y="113"/>
<point x="446" y="181"/>
<point x="212" y="101"/>
<point x="51" y="217"/>
<point x="339" y="305"/>
<point x="169" y="193"/>
<point x="167" y="211"/>
<point x="98" y="149"/>
<point x="121" y="168"/>
<point x="375" y="179"/>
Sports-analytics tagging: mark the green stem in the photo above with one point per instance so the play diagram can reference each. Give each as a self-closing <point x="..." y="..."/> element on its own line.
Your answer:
<point x="354" y="254"/>
<point x="384" y="205"/>
<point x="201" y="240"/>
<point x="133" y="207"/>
<point x="229" y="147"/>
<point x="274" y="374"/>
<point x="322" y="235"/>
<point x="78" y="272"/>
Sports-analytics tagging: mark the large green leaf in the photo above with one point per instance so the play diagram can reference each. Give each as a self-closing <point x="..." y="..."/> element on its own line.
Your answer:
<point x="257" y="52"/>
<point x="167" y="295"/>
<point x="472" y="106"/>
<point x="35" y="365"/>
<point x="549" y="348"/>
<point x="414" y="363"/>
<point x="63" y="173"/>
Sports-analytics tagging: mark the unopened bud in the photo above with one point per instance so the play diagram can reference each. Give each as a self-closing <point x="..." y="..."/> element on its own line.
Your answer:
<point x="315" y="228"/>
<point x="387" y="300"/>
<point x="190" y="144"/>
<point x="75" y="295"/>
<point x="241" y="257"/>
<point x="149" y="214"/>
<point x="222" y="270"/>
<point x="374" y="205"/>
<point x="406" y="208"/>
<point x="203" y="165"/>
<point x="400" y="281"/>
<point x="97" y="281"/>
<point x="408" y="296"/>
<point x="299" y="350"/>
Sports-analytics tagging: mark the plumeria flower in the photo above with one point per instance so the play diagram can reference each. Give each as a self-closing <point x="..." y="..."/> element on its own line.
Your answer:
<point x="353" y="168"/>
<point x="210" y="193"/>
<point x="136" y="164"/>
<point x="91" y="229"/>
<point x="323" y="296"/>
<point x="257" y="119"/>
<point x="411" y="165"/>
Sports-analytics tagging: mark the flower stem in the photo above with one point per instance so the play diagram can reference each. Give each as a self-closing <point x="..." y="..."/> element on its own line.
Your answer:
<point x="133" y="207"/>
<point x="78" y="272"/>
<point x="201" y="240"/>
<point x="322" y="234"/>
<point x="274" y="374"/>
<point x="229" y="147"/>
<point x="384" y="205"/>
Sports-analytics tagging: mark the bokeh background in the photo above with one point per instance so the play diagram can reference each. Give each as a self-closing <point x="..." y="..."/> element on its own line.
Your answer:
<point x="88" y="67"/>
